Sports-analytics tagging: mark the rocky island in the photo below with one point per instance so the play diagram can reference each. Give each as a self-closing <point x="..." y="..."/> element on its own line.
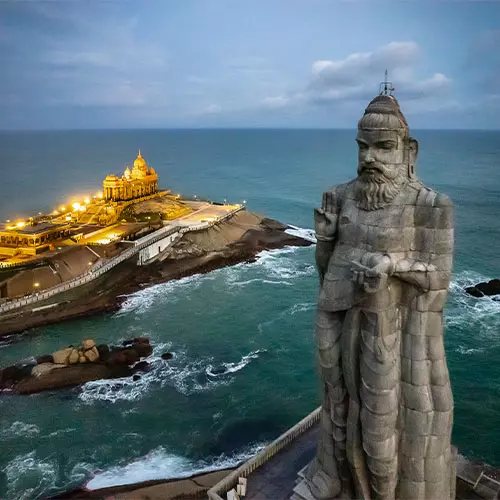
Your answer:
<point x="74" y="366"/>
<point x="84" y="259"/>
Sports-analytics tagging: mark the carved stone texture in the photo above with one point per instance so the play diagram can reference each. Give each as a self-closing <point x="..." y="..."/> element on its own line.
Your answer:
<point x="384" y="256"/>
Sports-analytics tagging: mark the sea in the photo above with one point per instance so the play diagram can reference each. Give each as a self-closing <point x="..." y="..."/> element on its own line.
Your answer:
<point x="255" y="320"/>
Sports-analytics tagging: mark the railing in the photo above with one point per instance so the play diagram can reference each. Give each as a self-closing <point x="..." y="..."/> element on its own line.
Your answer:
<point x="99" y="270"/>
<point x="230" y="481"/>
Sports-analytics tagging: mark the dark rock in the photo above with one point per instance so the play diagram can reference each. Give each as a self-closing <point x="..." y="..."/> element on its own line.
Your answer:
<point x="218" y="370"/>
<point x="142" y="366"/>
<point x="143" y="350"/>
<point x="127" y="356"/>
<point x="119" y="371"/>
<point x="141" y="340"/>
<point x="63" y="377"/>
<point x="103" y="350"/>
<point x="10" y="375"/>
<point x="46" y="358"/>
<point x="167" y="355"/>
<point x="489" y="288"/>
<point x="472" y="290"/>
<point x="127" y="343"/>
<point x="135" y="378"/>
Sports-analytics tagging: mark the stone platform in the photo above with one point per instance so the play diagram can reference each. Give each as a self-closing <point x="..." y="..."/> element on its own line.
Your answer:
<point x="275" y="473"/>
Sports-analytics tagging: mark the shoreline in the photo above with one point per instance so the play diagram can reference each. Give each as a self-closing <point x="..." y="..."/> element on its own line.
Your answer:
<point x="239" y="239"/>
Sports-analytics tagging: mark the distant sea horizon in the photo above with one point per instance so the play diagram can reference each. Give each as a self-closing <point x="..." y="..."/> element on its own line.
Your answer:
<point x="254" y="319"/>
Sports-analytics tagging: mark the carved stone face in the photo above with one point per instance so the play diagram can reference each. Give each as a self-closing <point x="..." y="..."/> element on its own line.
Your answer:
<point x="381" y="154"/>
<point x="384" y="156"/>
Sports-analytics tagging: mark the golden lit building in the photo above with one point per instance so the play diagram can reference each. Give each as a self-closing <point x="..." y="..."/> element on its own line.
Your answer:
<point x="31" y="239"/>
<point x="141" y="181"/>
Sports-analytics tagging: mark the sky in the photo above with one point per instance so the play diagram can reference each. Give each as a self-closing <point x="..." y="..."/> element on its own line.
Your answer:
<point x="78" y="64"/>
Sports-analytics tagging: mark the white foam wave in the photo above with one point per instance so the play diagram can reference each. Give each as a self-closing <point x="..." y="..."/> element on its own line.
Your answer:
<point x="30" y="478"/>
<point x="466" y="351"/>
<point x="182" y="373"/>
<point x="140" y="302"/>
<point x="290" y="311"/>
<point x="19" y="429"/>
<point x="465" y="308"/>
<point x="305" y="234"/>
<point x="234" y="367"/>
<point x="160" y="464"/>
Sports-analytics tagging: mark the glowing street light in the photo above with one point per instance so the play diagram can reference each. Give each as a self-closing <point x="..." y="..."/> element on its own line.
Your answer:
<point x="86" y="201"/>
<point x="8" y="220"/>
<point x="76" y="206"/>
<point x="20" y="224"/>
<point x="244" y="202"/>
<point x="36" y="285"/>
<point x="62" y="208"/>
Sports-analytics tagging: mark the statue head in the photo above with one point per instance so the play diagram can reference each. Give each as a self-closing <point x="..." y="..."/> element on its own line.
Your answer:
<point x="387" y="154"/>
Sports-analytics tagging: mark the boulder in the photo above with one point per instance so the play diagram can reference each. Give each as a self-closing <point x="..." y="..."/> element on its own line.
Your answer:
<point x="46" y="358"/>
<point x="142" y="366"/>
<point x="103" y="350"/>
<point x="88" y="344"/>
<point x="73" y="357"/>
<point x="143" y="350"/>
<point x="44" y="368"/>
<point x="136" y="377"/>
<point x="472" y="290"/>
<point x="92" y="355"/>
<point x="167" y="355"/>
<point x="127" y="356"/>
<point x="62" y="357"/>
<point x="141" y="340"/>
<point x="488" y="288"/>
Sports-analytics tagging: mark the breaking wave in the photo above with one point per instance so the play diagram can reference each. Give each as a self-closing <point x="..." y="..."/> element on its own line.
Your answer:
<point x="184" y="374"/>
<point x="141" y="301"/>
<point x="306" y="234"/>
<point x="30" y="478"/>
<point x="225" y="368"/>
<point x="160" y="464"/>
<point x="473" y="321"/>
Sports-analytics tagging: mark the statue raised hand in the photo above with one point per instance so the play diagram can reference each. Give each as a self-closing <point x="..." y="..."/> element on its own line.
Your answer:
<point x="325" y="218"/>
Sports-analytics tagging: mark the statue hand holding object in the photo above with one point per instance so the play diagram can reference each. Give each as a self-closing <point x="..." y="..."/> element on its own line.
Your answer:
<point x="373" y="273"/>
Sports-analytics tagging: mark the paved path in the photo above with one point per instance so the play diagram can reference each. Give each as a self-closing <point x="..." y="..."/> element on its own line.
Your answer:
<point x="275" y="480"/>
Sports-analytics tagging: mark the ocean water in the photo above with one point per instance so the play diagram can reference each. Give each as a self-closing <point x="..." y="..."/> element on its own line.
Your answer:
<point x="256" y="319"/>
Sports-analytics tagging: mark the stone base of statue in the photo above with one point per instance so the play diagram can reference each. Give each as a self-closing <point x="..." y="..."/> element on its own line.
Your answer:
<point x="279" y="471"/>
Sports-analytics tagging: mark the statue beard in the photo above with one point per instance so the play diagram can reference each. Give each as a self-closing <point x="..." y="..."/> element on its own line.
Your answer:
<point x="377" y="189"/>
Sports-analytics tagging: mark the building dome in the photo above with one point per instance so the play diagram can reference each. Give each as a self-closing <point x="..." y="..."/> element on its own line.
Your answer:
<point x="127" y="173"/>
<point x="112" y="177"/>
<point x="140" y="162"/>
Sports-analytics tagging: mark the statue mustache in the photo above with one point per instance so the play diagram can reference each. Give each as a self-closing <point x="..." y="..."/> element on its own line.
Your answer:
<point x="381" y="170"/>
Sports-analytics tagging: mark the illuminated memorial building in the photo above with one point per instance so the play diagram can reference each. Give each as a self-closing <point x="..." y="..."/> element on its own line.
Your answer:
<point x="141" y="181"/>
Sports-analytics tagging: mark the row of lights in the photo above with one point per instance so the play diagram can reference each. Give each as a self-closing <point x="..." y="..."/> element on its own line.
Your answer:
<point x="76" y="206"/>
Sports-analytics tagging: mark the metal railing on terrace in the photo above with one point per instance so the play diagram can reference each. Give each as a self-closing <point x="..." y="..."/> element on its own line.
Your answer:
<point x="99" y="270"/>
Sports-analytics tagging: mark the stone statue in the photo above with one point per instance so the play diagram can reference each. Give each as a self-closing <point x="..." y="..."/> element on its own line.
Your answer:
<point x="384" y="256"/>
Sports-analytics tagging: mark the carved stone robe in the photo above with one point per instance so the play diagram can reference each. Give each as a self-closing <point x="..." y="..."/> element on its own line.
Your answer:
<point x="395" y="429"/>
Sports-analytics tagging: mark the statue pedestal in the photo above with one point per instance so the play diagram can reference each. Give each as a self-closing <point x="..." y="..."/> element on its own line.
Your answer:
<point x="277" y="472"/>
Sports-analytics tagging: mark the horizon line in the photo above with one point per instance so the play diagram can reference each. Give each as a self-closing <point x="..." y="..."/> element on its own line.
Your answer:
<point x="130" y="129"/>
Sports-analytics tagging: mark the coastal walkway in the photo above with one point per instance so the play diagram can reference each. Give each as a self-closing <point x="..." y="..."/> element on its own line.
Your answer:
<point x="201" y="222"/>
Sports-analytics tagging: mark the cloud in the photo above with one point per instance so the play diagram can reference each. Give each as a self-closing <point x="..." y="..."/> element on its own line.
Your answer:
<point x="353" y="79"/>
<point x="278" y="101"/>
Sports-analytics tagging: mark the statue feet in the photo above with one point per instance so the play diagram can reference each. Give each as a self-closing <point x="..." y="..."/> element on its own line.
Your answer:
<point x="323" y="486"/>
